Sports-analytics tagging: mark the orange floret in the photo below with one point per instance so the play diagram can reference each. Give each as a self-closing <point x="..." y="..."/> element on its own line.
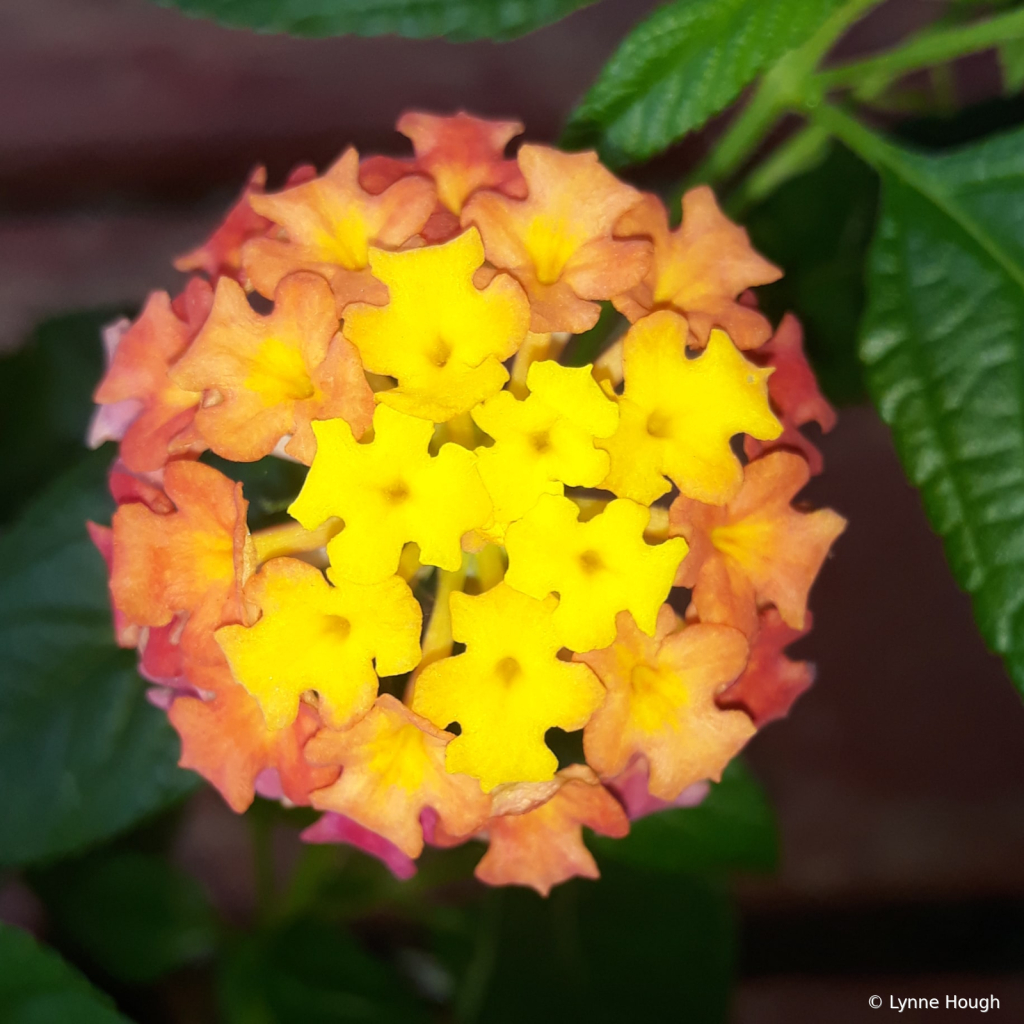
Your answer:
<point x="661" y="702"/>
<point x="328" y="225"/>
<point x="544" y="845"/>
<point x="558" y="242"/>
<point x="464" y="153"/>
<point x="698" y="270"/>
<point x="139" y="371"/>
<point x="392" y="768"/>
<point x="771" y="682"/>
<point x="758" y="549"/>
<point x="193" y="560"/>
<point x="269" y="377"/>
<point x="226" y="740"/>
<point x="461" y="153"/>
<point x="795" y="397"/>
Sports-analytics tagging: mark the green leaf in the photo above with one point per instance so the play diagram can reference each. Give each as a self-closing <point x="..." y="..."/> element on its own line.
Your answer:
<point x="732" y="829"/>
<point x="688" y="60"/>
<point x="634" y="946"/>
<point x="37" y="987"/>
<point x="82" y="754"/>
<point x="134" y="915"/>
<point x="309" y="972"/>
<point x="458" y="20"/>
<point x="46" y="403"/>
<point x="818" y="227"/>
<point x="943" y="345"/>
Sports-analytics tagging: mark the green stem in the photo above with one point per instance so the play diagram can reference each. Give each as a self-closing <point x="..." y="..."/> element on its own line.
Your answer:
<point x="868" y="145"/>
<point x="783" y="87"/>
<point x="925" y="49"/>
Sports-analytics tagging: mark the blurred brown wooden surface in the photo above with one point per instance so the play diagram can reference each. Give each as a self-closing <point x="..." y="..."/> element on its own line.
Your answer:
<point x="119" y="118"/>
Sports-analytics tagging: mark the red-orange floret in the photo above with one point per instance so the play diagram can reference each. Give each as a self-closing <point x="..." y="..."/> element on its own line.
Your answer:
<point x="794" y="393"/>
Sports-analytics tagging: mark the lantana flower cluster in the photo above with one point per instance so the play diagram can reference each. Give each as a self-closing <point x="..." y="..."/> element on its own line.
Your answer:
<point x="490" y="543"/>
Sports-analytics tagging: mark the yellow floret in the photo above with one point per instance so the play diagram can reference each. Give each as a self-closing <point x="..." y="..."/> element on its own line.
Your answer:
<point x="506" y="690"/>
<point x="389" y="492"/>
<point x="314" y="636"/>
<point x="443" y="338"/>
<point x="598" y="568"/>
<point x="545" y="441"/>
<point x="677" y="415"/>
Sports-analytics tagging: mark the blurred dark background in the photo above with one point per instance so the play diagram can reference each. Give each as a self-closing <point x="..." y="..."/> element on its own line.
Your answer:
<point x="898" y="780"/>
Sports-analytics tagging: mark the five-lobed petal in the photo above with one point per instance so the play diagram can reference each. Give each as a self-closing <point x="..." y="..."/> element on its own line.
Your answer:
<point x="195" y="559"/>
<point x="756" y="550"/>
<point x="543" y="846"/>
<point x="597" y="568"/>
<point x="677" y="415"/>
<point x="312" y="635"/>
<point x="388" y="492"/>
<point x="698" y="270"/>
<point x="463" y="153"/>
<point x="443" y="338"/>
<point x="329" y="224"/>
<point x="506" y="690"/>
<point x="660" y="703"/>
<point x="545" y="441"/>
<point x="270" y="376"/>
<point x="393" y="767"/>
<point x="558" y="242"/>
